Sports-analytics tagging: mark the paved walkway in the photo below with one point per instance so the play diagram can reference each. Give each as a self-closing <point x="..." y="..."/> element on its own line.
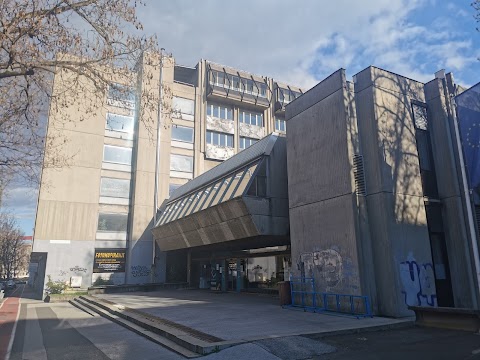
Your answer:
<point x="233" y="316"/>
<point x="8" y="315"/>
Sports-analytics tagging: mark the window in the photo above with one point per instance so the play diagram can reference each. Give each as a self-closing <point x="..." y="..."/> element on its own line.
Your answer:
<point x="250" y="117"/>
<point x="182" y="133"/>
<point x="287" y="95"/>
<point x="220" y="139"/>
<point x="112" y="222"/>
<point x="119" y="188"/>
<point x="219" y="78"/>
<point x="425" y="152"/>
<point x="181" y="163"/>
<point x="172" y="188"/>
<point x="121" y="95"/>
<point x="121" y="123"/>
<point x="234" y="82"/>
<point x="184" y="106"/>
<point x="220" y="111"/>
<point x="263" y="89"/>
<point x="246" y="142"/>
<point x="280" y="124"/>
<point x="118" y="155"/>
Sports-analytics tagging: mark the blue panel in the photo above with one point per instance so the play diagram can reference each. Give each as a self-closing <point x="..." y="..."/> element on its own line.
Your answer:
<point x="468" y="109"/>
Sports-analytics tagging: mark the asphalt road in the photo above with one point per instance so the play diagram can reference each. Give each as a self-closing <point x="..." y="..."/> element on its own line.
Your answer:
<point x="411" y="343"/>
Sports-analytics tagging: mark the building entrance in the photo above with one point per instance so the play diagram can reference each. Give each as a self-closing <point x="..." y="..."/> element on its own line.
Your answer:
<point x="258" y="273"/>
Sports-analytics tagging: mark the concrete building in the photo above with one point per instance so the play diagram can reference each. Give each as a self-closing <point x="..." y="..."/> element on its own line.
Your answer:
<point x="377" y="206"/>
<point x="359" y="185"/>
<point x="94" y="216"/>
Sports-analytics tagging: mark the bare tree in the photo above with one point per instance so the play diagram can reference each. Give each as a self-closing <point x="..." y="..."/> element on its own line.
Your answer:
<point x="82" y="43"/>
<point x="476" y="6"/>
<point x="13" y="254"/>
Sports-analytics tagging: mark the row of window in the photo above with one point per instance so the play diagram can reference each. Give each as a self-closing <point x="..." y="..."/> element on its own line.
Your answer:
<point x="222" y="139"/>
<point x="238" y="83"/>
<point x="220" y="111"/>
<point x="287" y="95"/>
<point x="250" y="117"/>
<point x="125" y="124"/>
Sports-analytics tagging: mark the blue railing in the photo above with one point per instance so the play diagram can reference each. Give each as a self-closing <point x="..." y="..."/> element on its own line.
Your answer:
<point x="304" y="296"/>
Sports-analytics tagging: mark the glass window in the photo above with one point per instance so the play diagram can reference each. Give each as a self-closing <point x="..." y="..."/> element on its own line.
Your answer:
<point x="280" y="124"/>
<point x="182" y="133"/>
<point x="184" y="106"/>
<point x="220" y="111"/>
<point x="220" y="78"/>
<point x="119" y="188"/>
<point x="250" y="117"/>
<point x="117" y="154"/>
<point x="245" y="180"/>
<point x="121" y="93"/>
<point x="121" y="123"/>
<point x="219" y="139"/>
<point x="112" y="222"/>
<point x="181" y="163"/>
<point x="263" y="89"/>
<point x="245" y="142"/>
<point x="221" y="189"/>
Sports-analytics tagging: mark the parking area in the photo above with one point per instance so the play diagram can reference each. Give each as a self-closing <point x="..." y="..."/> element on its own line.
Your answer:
<point x="241" y="316"/>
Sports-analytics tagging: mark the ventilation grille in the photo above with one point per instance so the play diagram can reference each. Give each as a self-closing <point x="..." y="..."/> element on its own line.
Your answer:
<point x="359" y="174"/>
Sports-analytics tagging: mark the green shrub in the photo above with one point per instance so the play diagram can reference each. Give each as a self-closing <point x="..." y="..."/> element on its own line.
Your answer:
<point x="55" y="287"/>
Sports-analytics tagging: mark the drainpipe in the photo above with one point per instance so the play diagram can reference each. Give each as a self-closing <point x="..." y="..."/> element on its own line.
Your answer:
<point x="468" y="204"/>
<point x="157" y="166"/>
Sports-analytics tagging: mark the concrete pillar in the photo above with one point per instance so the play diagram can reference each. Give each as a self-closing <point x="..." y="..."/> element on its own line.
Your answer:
<point x="189" y="266"/>
<point x="224" y="274"/>
<point x="239" y="275"/>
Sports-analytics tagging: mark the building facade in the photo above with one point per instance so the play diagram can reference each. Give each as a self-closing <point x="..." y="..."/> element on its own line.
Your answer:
<point x="94" y="217"/>
<point x="367" y="186"/>
<point x="387" y="217"/>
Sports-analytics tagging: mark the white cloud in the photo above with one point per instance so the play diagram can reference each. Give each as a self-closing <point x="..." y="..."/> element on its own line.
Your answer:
<point x="20" y="201"/>
<point x="302" y="42"/>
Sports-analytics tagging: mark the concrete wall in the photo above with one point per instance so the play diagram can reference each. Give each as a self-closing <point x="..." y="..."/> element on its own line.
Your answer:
<point x="321" y="197"/>
<point x="461" y="267"/>
<point x="396" y="211"/>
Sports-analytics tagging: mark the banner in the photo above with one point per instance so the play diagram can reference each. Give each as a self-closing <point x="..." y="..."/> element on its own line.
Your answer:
<point x="109" y="260"/>
<point x="468" y="111"/>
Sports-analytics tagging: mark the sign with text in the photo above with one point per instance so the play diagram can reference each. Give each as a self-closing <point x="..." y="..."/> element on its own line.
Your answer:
<point x="109" y="260"/>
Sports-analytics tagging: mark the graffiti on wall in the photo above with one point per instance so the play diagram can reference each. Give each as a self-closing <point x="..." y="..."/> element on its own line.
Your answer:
<point x="418" y="282"/>
<point x="329" y="264"/>
<point x="140" y="270"/>
<point x="77" y="269"/>
<point x="326" y="264"/>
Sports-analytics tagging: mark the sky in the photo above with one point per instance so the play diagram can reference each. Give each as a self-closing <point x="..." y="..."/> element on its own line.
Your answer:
<point x="301" y="42"/>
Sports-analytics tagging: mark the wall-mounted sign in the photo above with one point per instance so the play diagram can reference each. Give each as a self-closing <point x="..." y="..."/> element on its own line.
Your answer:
<point x="76" y="282"/>
<point x="109" y="260"/>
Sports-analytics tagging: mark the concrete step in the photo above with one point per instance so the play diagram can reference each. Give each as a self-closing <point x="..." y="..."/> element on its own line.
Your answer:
<point x="182" y="347"/>
<point x="78" y="305"/>
<point x="156" y="338"/>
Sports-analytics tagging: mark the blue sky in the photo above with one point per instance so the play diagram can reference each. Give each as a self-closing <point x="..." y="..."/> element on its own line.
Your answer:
<point x="303" y="41"/>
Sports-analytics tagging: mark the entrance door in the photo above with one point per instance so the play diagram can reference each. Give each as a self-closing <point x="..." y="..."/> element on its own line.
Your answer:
<point x="443" y="282"/>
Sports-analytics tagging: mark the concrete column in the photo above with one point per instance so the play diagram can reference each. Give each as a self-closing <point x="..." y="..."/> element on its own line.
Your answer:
<point x="189" y="267"/>
<point x="224" y="274"/>
<point x="239" y="275"/>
